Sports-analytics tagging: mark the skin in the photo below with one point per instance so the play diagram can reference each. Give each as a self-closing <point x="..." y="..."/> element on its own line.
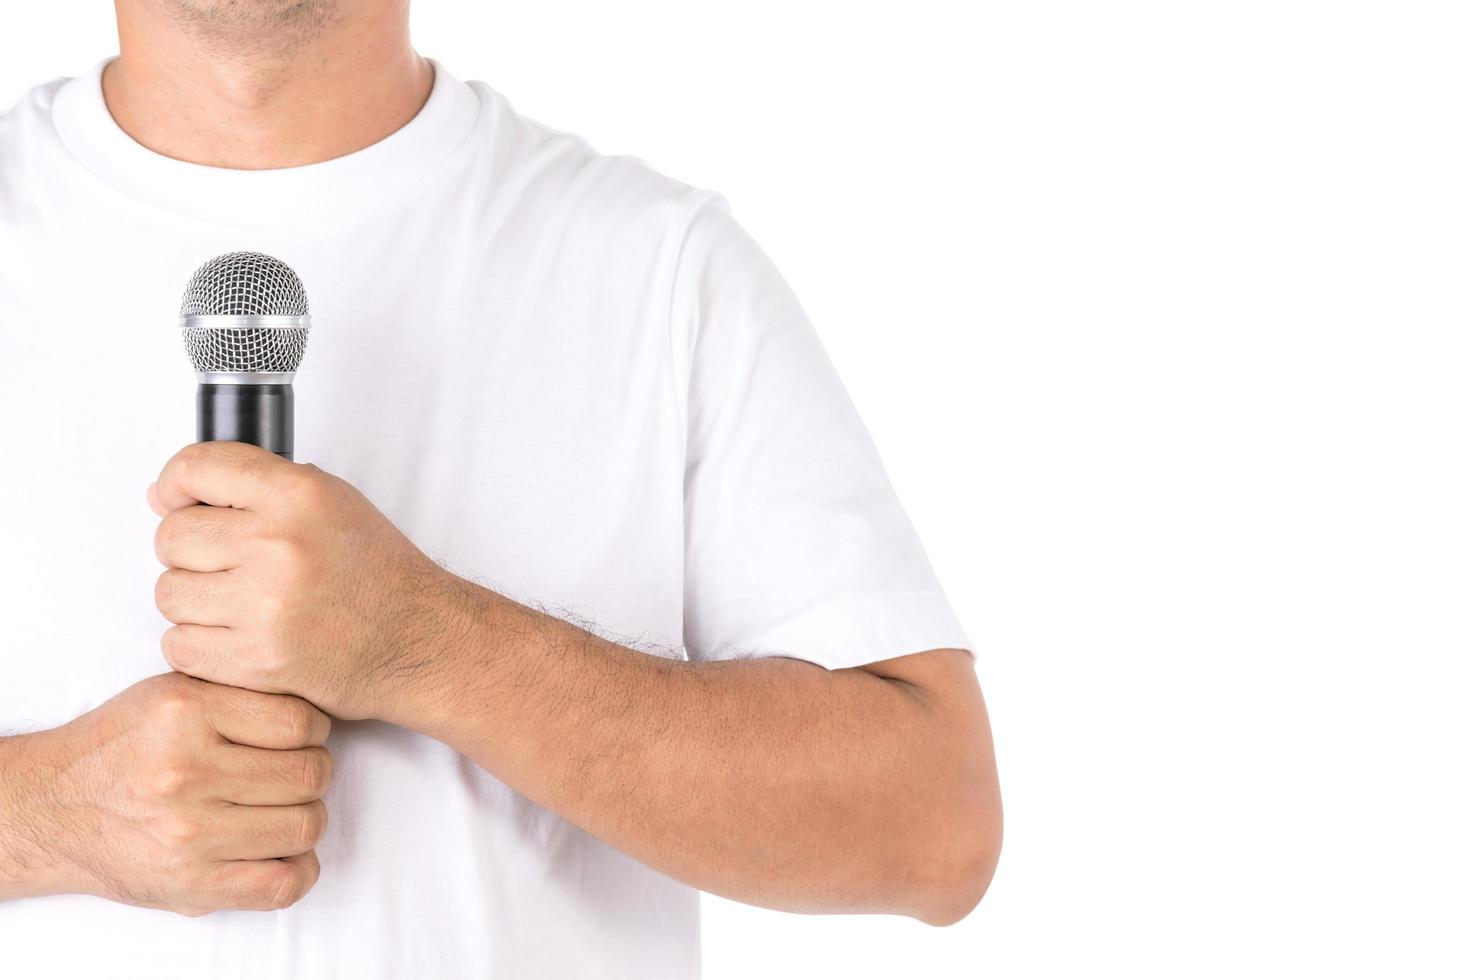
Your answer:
<point x="175" y="794"/>
<point x="261" y="84"/>
<point x="789" y="786"/>
<point x="771" y="781"/>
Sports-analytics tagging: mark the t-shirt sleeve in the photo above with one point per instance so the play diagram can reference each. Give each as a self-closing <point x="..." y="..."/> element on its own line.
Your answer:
<point x="795" y="544"/>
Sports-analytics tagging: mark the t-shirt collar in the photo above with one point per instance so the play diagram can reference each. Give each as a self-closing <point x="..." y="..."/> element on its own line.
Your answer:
<point x="318" y="191"/>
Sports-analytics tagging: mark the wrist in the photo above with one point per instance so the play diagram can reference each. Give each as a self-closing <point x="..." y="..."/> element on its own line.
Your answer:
<point x="33" y="819"/>
<point x="422" y="685"/>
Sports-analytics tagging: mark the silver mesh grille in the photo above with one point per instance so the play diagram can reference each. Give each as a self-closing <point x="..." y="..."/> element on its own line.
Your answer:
<point x="253" y="350"/>
<point x="244" y="284"/>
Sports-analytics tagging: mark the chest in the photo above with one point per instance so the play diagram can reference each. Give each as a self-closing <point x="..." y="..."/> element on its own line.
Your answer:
<point x="521" y="433"/>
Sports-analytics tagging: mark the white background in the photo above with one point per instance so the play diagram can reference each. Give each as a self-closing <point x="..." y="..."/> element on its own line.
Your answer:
<point x="1159" y="314"/>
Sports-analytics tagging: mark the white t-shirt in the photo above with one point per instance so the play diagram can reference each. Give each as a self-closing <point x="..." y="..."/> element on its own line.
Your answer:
<point x="562" y="374"/>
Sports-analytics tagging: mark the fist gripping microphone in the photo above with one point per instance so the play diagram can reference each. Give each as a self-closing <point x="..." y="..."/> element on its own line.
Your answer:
<point x="245" y="321"/>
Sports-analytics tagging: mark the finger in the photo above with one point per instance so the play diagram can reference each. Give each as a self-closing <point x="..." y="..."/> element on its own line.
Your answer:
<point x="265" y="886"/>
<point x="266" y="721"/>
<point x="204" y="539"/>
<point x="225" y="474"/>
<point x="210" y="653"/>
<point x="201" y="598"/>
<point x="154" y="504"/>
<point x="267" y="777"/>
<point x="258" y="833"/>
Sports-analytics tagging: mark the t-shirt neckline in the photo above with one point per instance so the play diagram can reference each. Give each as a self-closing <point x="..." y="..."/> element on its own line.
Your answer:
<point x="352" y="183"/>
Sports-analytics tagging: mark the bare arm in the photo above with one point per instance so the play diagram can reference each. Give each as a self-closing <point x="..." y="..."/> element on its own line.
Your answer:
<point x="769" y="781"/>
<point x="27" y="868"/>
<point x="772" y="781"/>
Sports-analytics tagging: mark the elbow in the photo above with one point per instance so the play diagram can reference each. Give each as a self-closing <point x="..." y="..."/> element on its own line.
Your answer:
<point x="955" y="866"/>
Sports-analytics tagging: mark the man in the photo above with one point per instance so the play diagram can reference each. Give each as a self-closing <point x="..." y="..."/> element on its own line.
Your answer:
<point x="540" y="379"/>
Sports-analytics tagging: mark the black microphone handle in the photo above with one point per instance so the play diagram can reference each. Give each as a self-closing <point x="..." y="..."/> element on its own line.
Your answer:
<point x="262" y="415"/>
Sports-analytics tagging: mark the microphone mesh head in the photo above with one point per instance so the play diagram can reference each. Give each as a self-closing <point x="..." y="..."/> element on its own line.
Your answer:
<point x="253" y="350"/>
<point x="244" y="284"/>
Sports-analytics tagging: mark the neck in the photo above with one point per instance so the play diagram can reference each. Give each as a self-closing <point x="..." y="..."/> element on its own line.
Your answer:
<point x="275" y="84"/>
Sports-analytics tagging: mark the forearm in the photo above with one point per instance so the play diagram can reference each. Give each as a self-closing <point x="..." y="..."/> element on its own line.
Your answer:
<point x="28" y="820"/>
<point x="770" y="781"/>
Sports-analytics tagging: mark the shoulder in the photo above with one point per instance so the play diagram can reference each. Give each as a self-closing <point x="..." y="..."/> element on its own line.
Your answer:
<point x="563" y="181"/>
<point x="30" y="114"/>
<point x="26" y="135"/>
<point x="28" y="118"/>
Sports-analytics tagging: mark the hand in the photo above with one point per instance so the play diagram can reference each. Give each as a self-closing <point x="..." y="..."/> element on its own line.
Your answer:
<point x="186" y="796"/>
<point x="283" y="578"/>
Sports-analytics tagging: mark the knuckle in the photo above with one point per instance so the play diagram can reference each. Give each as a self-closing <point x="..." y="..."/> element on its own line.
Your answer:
<point x="312" y="824"/>
<point x="285" y="887"/>
<point x="272" y="609"/>
<point x="294" y="557"/>
<point x="171" y="780"/>
<point x="177" y="649"/>
<point x="180" y="831"/>
<point x="164" y="536"/>
<point x="167" y="591"/>
<point x="316" y="773"/>
<point x="188" y="457"/>
<point x="272" y="658"/>
<point x="305" y="483"/>
<point x="296" y="720"/>
<point x="176" y="704"/>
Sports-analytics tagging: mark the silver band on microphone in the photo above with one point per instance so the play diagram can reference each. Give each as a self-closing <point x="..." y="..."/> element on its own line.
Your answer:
<point x="201" y="321"/>
<point x="238" y="378"/>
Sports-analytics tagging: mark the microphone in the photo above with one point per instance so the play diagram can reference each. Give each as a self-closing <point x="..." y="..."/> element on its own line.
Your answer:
<point x="245" y="320"/>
